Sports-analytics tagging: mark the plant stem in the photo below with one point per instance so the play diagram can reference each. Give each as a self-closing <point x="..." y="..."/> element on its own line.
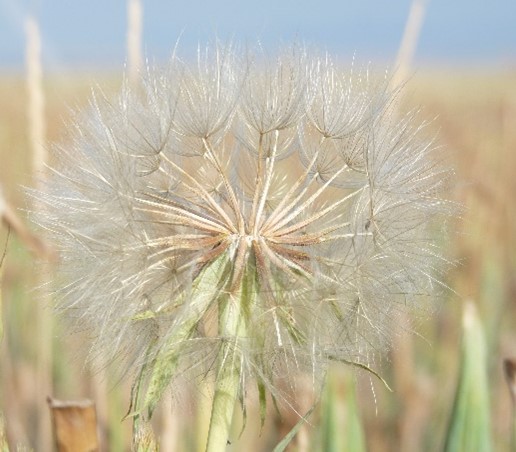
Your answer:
<point x="232" y="327"/>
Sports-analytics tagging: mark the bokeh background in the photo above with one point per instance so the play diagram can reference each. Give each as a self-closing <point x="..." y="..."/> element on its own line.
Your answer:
<point x="93" y="34"/>
<point x="459" y="62"/>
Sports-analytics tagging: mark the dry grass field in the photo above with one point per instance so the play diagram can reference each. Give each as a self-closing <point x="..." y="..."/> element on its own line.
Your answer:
<point x="474" y="117"/>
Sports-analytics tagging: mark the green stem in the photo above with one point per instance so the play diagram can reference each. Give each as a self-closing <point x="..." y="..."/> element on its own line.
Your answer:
<point x="231" y="327"/>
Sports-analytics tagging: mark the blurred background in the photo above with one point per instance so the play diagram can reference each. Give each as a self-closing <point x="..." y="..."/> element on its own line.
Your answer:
<point x="459" y="60"/>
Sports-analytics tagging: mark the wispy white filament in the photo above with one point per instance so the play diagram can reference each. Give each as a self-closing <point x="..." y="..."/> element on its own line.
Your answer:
<point x="302" y="180"/>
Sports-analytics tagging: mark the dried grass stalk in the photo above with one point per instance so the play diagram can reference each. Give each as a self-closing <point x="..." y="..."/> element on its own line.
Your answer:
<point x="36" y="126"/>
<point x="14" y="223"/>
<point x="36" y="99"/>
<point x="75" y="425"/>
<point x="409" y="41"/>
<point x="134" y="38"/>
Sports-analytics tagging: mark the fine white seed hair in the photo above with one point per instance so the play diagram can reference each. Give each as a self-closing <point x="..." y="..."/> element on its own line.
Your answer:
<point x="287" y="177"/>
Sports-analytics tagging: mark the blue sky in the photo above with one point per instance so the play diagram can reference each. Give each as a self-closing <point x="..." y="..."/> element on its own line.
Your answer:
<point x="92" y="33"/>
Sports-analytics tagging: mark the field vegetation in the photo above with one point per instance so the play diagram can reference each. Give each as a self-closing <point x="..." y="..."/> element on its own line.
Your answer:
<point x="473" y="114"/>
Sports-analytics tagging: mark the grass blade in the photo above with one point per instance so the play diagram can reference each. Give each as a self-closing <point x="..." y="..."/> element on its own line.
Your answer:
<point x="282" y="445"/>
<point x="469" y="426"/>
<point x="341" y="427"/>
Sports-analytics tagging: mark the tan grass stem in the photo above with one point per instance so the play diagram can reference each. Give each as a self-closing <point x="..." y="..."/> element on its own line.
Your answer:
<point x="134" y="39"/>
<point x="75" y="425"/>
<point x="411" y="395"/>
<point x="12" y="221"/>
<point x="36" y="98"/>
<point x="36" y="125"/>
<point x="169" y="438"/>
<point x="409" y="41"/>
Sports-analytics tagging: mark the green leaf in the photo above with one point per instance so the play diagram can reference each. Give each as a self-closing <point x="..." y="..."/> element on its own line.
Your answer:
<point x="262" y="397"/>
<point x="294" y="332"/>
<point x="341" y="428"/>
<point x="145" y="315"/>
<point x="135" y="394"/>
<point x="469" y="427"/>
<point x="206" y="288"/>
<point x="361" y="366"/>
<point x="282" y="445"/>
